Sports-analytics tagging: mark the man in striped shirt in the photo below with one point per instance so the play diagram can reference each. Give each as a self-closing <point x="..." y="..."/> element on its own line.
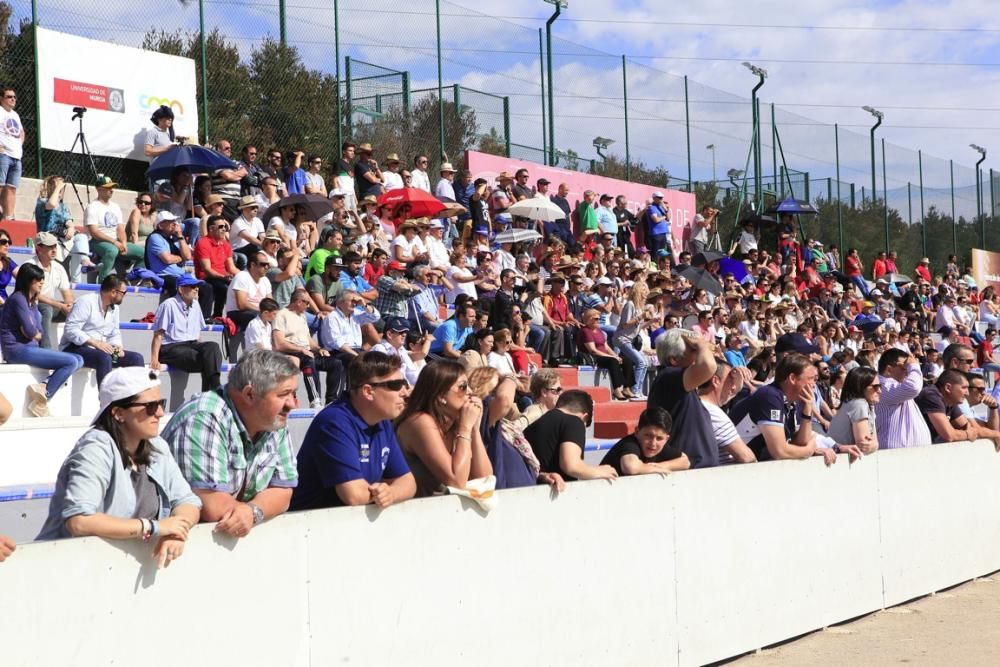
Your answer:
<point x="232" y="443"/>
<point x="898" y="421"/>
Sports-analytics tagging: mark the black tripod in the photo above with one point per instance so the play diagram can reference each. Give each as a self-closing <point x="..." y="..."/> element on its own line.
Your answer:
<point x="73" y="160"/>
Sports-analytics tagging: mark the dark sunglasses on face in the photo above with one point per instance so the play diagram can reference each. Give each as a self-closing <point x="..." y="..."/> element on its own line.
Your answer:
<point x="4" y="241"/>
<point x="391" y="385"/>
<point x="152" y="407"/>
<point x="144" y="202"/>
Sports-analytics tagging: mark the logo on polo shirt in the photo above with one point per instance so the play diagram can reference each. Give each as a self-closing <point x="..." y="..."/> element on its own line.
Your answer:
<point x="776" y="415"/>
<point x="365" y="452"/>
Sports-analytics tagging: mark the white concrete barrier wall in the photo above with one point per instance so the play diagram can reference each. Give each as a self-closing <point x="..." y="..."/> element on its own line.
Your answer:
<point x="683" y="570"/>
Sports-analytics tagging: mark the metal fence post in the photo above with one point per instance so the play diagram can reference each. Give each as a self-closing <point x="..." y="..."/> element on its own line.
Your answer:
<point x="840" y="204"/>
<point x="909" y="202"/>
<point x="687" y="128"/>
<point x="954" y="222"/>
<point x="38" y="101"/>
<point x="923" y="223"/>
<point x="885" y="200"/>
<point x="628" y="160"/>
<point x="506" y="125"/>
<point x="541" y="79"/>
<point x="349" y="96"/>
<point x="406" y="92"/>
<point x="774" y="148"/>
<point x="336" y="57"/>
<point x="807" y="197"/>
<point x="281" y="22"/>
<point x="437" y="16"/>
<point x="992" y="198"/>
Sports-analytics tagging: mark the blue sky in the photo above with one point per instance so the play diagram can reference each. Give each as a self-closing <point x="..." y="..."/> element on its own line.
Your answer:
<point x="825" y="59"/>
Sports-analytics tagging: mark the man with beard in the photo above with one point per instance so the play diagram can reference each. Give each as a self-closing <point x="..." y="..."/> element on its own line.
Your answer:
<point x="232" y="443"/>
<point x="350" y="455"/>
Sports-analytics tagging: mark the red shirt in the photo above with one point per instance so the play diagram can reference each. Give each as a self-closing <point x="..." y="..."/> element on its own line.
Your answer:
<point x="215" y="251"/>
<point x="557" y="306"/>
<point x="852" y="266"/>
<point x="372" y="274"/>
<point x="984" y="354"/>
<point x="879" y="268"/>
<point x="923" y="272"/>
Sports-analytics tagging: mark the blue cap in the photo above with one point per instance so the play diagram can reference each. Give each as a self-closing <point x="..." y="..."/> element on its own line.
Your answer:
<point x="663" y="252"/>
<point x="397" y="324"/>
<point x="187" y="280"/>
<point x="503" y="217"/>
<point x="482" y="230"/>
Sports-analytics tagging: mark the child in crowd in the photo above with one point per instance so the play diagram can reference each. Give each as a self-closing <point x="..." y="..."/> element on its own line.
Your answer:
<point x="258" y="333"/>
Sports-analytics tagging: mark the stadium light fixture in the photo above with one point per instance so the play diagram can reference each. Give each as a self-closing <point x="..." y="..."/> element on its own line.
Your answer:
<point x="559" y="5"/>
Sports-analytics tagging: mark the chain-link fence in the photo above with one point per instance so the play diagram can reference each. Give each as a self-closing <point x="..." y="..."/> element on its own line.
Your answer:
<point x="307" y="74"/>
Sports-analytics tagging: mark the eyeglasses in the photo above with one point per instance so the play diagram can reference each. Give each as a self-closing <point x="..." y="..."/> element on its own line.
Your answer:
<point x="152" y="407"/>
<point x="252" y="153"/>
<point x="270" y="184"/>
<point x="971" y="388"/>
<point x="391" y="385"/>
<point x="876" y="387"/>
<point x="966" y="361"/>
<point x="421" y="161"/>
<point x="554" y="390"/>
<point x="10" y="97"/>
<point x="224" y="228"/>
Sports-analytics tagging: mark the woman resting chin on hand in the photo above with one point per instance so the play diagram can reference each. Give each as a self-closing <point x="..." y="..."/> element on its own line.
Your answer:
<point x="120" y="481"/>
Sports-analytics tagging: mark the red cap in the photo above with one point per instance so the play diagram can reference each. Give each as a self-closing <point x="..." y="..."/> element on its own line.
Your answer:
<point x="396" y="266"/>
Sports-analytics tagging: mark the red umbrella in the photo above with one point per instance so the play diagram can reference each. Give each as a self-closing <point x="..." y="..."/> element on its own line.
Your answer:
<point x="422" y="204"/>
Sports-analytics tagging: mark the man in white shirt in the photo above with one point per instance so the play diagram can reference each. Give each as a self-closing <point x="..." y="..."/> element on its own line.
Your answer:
<point x="394" y="343"/>
<point x="444" y="187"/>
<point x="291" y="336"/>
<point x="246" y="291"/>
<point x="716" y="392"/>
<point x="247" y="230"/>
<point x="391" y="178"/>
<point x="56" y="299"/>
<point x="418" y="176"/>
<point x="106" y="226"/>
<point x="437" y="252"/>
<point x="93" y="330"/>
<point x="11" y="149"/>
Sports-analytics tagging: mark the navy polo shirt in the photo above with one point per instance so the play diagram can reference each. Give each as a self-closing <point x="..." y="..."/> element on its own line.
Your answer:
<point x="767" y="406"/>
<point x="341" y="447"/>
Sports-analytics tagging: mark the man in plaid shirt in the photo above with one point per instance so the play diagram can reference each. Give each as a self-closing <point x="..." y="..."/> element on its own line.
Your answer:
<point x="232" y="443"/>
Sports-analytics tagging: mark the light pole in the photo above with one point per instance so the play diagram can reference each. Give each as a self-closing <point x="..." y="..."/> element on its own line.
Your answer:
<point x="878" y="115"/>
<point x="762" y="74"/>
<point x="711" y="147"/>
<point x="979" y="191"/>
<point x="560" y="5"/>
<point x="733" y="174"/>
<point x="601" y="143"/>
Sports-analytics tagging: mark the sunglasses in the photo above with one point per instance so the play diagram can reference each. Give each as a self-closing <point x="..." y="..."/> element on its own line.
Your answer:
<point x="554" y="390"/>
<point x="4" y="241"/>
<point x="224" y="228"/>
<point x="152" y="407"/>
<point x="391" y="385"/>
<point x="143" y="202"/>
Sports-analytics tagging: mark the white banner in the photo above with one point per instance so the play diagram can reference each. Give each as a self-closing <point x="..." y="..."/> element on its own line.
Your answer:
<point x="120" y="87"/>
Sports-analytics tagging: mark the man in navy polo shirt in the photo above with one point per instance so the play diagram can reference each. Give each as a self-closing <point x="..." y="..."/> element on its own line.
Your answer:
<point x="350" y="455"/>
<point x="769" y="423"/>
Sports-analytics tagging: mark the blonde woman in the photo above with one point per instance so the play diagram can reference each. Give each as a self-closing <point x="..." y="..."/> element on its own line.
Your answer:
<point x="141" y="220"/>
<point x="632" y="320"/>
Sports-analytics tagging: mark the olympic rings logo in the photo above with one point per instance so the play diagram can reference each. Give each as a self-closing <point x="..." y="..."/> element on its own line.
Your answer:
<point x="151" y="102"/>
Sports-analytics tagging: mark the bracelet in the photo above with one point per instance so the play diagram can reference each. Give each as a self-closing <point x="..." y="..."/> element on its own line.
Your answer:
<point x="155" y="528"/>
<point x="465" y="437"/>
<point x="147" y="529"/>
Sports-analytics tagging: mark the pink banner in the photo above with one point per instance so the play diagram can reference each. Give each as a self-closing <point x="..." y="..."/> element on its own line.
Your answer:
<point x="682" y="204"/>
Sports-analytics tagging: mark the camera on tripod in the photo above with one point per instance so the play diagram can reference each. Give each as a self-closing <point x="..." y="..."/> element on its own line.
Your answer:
<point x="78" y="112"/>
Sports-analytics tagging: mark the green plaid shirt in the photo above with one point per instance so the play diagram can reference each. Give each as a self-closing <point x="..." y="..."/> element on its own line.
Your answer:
<point x="215" y="453"/>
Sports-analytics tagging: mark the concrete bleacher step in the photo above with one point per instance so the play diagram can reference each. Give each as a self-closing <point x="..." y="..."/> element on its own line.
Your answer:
<point x="135" y="306"/>
<point x="570" y="377"/>
<point x="599" y="394"/>
<point x="618" y="411"/>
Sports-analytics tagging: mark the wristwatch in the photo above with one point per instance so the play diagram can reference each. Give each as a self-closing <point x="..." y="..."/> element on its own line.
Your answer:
<point x="258" y="513"/>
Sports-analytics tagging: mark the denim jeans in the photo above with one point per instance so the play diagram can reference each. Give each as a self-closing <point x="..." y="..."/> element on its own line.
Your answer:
<point x="538" y="339"/>
<point x="63" y="364"/>
<point x="639" y="365"/>
<point x="192" y="230"/>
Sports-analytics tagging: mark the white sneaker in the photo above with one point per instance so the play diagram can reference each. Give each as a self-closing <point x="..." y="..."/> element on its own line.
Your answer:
<point x="38" y="402"/>
<point x="317" y="404"/>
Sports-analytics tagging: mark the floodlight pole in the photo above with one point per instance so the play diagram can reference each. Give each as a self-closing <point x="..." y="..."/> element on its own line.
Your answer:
<point x="548" y="47"/>
<point x="711" y="147"/>
<point x="878" y="116"/>
<point x="761" y="74"/>
<point x="979" y="190"/>
<point x="437" y="16"/>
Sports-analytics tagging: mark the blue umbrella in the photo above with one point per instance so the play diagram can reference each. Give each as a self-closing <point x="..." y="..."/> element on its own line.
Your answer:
<point x="794" y="207"/>
<point x="733" y="266"/>
<point x="197" y="159"/>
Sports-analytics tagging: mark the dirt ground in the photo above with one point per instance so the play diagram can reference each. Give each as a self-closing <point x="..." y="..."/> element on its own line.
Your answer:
<point x="960" y="626"/>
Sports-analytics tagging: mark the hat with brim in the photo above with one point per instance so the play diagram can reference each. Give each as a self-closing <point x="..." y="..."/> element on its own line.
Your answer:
<point x="122" y="383"/>
<point x="446" y="167"/>
<point x="188" y="280"/>
<point x="391" y="157"/>
<point x="369" y="200"/>
<point x="104" y="182"/>
<point x="272" y="236"/>
<point x="165" y="216"/>
<point x="504" y="176"/>
<point x="397" y="324"/>
<point x="248" y="202"/>
<point x="211" y="200"/>
<point x="46" y="239"/>
<point x="408" y="225"/>
<point x="795" y="342"/>
<point x="396" y="266"/>
<point x="365" y="148"/>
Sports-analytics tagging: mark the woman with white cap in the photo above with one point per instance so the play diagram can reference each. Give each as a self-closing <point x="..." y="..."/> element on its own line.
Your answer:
<point x="120" y="482"/>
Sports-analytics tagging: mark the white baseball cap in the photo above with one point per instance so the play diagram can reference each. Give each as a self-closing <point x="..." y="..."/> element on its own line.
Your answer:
<point x="123" y="383"/>
<point x="164" y="215"/>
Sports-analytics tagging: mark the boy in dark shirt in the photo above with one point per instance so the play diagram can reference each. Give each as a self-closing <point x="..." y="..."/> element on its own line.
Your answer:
<point x="559" y="436"/>
<point x="647" y="451"/>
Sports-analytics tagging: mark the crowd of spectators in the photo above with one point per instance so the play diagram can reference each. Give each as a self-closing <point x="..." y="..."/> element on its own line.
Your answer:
<point x="427" y="332"/>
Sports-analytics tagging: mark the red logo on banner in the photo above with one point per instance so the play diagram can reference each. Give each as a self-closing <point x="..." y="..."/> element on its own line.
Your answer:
<point x="80" y="94"/>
